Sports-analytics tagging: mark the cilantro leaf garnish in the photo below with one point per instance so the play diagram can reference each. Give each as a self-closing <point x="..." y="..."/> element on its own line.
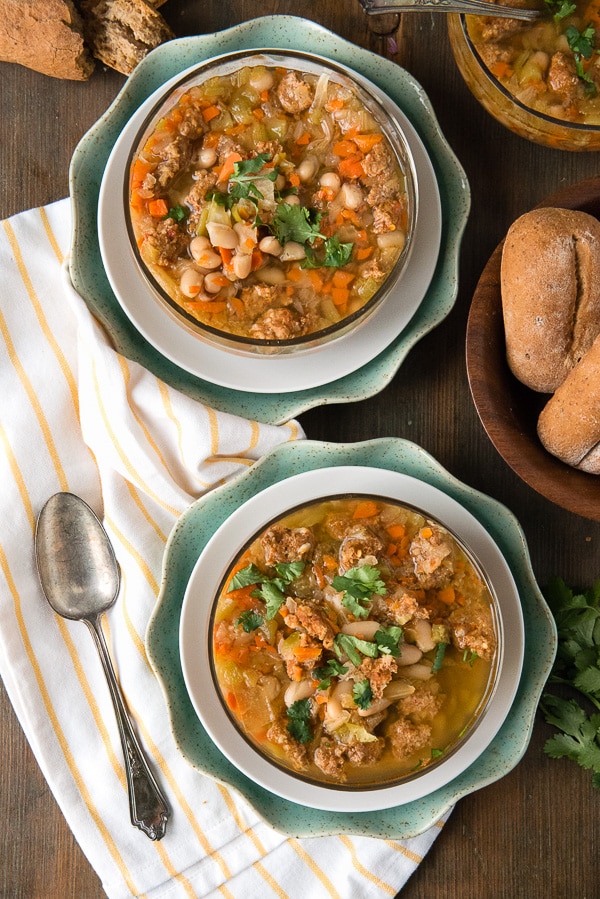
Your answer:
<point x="354" y="648"/>
<point x="177" y="213"/>
<point x="577" y="667"/>
<point x="582" y="47"/>
<point x="333" y="255"/>
<point x="324" y="673"/>
<point x="359" y="585"/>
<point x="250" y="620"/>
<point x="270" y="590"/>
<point x="297" y="223"/>
<point x="387" y="640"/>
<point x="470" y="657"/>
<point x="299" y="721"/>
<point x="362" y="694"/>
<point x="560" y="9"/>
<point x="272" y="596"/>
<point x="242" y="182"/>
<point x="245" y="577"/>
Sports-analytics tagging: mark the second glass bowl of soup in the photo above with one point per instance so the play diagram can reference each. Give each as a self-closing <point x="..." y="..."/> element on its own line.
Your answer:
<point x="271" y="201"/>
<point x="530" y="75"/>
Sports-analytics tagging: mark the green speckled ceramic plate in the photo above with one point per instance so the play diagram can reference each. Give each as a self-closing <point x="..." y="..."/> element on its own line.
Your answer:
<point x="189" y="538"/>
<point x="278" y="32"/>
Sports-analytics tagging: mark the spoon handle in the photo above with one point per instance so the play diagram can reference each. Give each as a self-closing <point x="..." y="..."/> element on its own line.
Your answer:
<point x="147" y="805"/>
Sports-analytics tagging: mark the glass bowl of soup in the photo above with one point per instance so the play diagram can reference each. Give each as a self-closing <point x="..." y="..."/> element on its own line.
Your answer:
<point x="271" y="201"/>
<point x="540" y="79"/>
<point x="346" y="646"/>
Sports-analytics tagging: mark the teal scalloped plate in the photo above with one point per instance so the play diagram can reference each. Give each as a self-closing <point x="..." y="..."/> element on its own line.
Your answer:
<point x="197" y="525"/>
<point x="277" y="32"/>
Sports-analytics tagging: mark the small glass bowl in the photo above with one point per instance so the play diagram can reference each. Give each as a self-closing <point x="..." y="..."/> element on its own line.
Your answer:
<point x="506" y="108"/>
<point x="378" y="106"/>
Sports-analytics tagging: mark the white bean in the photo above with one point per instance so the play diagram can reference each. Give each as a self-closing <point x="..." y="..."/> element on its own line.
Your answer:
<point x="222" y="235"/>
<point x="292" y="252"/>
<point x="307" y="169"/>
<point x="330" y="180"/>
<point x="199" y="245"/>
<point x="377" y="706"/>
<point x="271" y="275"/>
<point x="395" y="238"/>
<point x="246" y="237"/>
<point x="209" y="260"/>
<point x="420" y="671"/>
<point x="270" y="245"/>
<point x="398" y="689"/>
<point x="366" y="630"/>
<point x="292" y="200"/>
<point x="298" y="689"/>
<point x="190" y="283"/>
<point x="261" y="80"/>
<point x="207" y="157"/>
<point x="422" y="635"/>
<point x="409" y="654"/>
<point x="241" y="265"/>
<point x="214" y="281"/>
<point x="351" y="195"/>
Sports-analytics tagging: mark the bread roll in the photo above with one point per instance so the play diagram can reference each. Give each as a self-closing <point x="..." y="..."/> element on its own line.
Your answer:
<point x="569" y="424"/>
<point x="550" y="284"/>
<point x="121" y="32"/>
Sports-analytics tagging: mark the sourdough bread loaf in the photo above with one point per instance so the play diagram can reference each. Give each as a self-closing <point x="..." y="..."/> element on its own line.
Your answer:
<point x="550" y="286"/>
<point x="569" y="424"/>
<point x="121" y="32"/>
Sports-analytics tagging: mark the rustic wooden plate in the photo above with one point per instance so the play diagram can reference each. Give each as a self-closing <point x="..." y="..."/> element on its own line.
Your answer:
<point x="508" y="410"/>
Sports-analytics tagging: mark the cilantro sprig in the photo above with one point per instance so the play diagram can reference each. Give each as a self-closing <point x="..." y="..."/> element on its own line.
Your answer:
<point x="359" y="586"/>
<point x="299" y="723"/>
<point x="582" y="47"/>
<point x="576" y="668"/>
<point x="270" y="590"/>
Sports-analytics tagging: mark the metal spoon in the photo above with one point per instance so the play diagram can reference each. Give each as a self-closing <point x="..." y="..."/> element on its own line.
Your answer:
<point x="472" y="7"/>
<point x="80" y="579"/>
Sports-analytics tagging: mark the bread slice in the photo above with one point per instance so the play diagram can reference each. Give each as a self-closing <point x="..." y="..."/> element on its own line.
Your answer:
<point x="121" y="32"/>
<point x="569" y="424"/>
<point x="550" y="284"/>
<point x="46" y="36"/>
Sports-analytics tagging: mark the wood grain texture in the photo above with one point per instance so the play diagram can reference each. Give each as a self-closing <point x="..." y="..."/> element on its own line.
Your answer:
<point x="535" y="833"/>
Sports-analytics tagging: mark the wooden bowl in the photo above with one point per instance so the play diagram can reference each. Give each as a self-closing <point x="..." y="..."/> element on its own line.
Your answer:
<point x="508" y="410"/>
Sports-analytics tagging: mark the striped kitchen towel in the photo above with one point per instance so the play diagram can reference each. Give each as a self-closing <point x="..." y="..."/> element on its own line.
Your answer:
<point x="77" y="416"/>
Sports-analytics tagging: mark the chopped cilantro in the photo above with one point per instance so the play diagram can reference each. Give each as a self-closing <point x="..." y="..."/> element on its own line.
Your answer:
<point x="270" y="590"/>
<point x="362" y="694"/>
<point x="333" y="255"/>
<point x="324" y="673"/>
<point x="245" y="577"/>
<point x="436" y="753"/>
<point x="177" y="213"/>
<point x="272" y="596"/>
<point x="358" y="586"/>
<point x="582" y="46"/>
<point x="297" y="223"/>
<point x="242" y="182"/>
<point x="560" y="9"/>
<point x="470" y="657"/>
<point x="388" y="640"/>
<point x="299" y="723"/>
<point x="354" y="648"/>
<point x="577" y="667"/>
<point x="250" y="620"/>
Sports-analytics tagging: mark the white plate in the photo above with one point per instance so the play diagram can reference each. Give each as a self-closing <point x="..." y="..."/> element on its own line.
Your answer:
<point x="272" y="374"/>
<point x="249" y="519"/>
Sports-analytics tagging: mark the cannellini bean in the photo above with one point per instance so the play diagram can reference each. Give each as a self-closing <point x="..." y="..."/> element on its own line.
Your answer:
<point x="199" y="245"/>
<point x="421" y="629"/>
<point x="222" y="235"/>
<point x="340" y="697"/>
<point x="366" y="630"/>
<point x="377" y="706"/>
<point x="190" y="283"/>
<point x="261" y="80"/>
<point x="420" y="671"/>
<point x="351" y="195"/>
<point x="241" y="265"/>
<point x="307" y="169"/>
<point x="209" y="260"/>
<point x="409" y="654"/>
<point x="292" y="252"/>
<point x="271" y="275"/>
<point x="270" y="685"/>
<point x="280" y="182"/>
<point x="207" y="157"/>
<point x="246" y="237"/>
<point x="292" y="200"/>
<point x="214" y="281"/>
<point x="330" y="180"/>
<point x="395" y="238"/>
<point x="398" y="689"/>
<point x="270" y="245"/>
<point x="298" y="689"/>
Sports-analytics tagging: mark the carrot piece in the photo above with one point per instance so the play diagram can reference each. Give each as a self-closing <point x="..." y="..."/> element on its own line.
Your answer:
<point x="264" y="95"/>
<point x="396" y="531"/>
<point x="295" y="273"/>
<point x="447" y="595"/>
<point x="366" y="142"/>
<point x="366" y="509"/>
<point x="342" y="279"/>
<point x="426" y="533"/>
<point x="303" y="139"/>
<point x="228" y="166"/>
<point x="231" y="700"/>
<point x="364" y="252"/>
<point x="315" y="279"/>
<point x="351" y="167"/>
<point x="140" y="170"/>
<point x="257" y="258"/>
<point x="329" y="562"/>
<point x="294" y="179"/>
<point x="334" y="105"/>
<point x="210" y="306"/>
<point x="307" y="653"/>
<point x="319" y="575"/>
<point x="157" y="208"/>
<point x="237" y="306"/>
<point x="344" y="148"/>
<point x="258" y="113"/>
<point x="340" y="295"/>
<point x="211" y="112"/>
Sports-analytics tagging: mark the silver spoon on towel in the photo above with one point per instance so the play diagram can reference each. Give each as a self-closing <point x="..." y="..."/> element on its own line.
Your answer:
<point x="470" y="7"/>
<point x="80" y="579"/>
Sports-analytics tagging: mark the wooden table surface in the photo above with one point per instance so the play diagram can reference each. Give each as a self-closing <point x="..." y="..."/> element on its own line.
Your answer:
<point x="536" y="832"/>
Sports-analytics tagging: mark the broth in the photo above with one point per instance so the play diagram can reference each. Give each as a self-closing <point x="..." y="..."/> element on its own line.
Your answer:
<point x="354" y="641"/>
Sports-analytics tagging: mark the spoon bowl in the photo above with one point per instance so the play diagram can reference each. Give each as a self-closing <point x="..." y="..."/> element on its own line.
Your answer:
<point x="80" y="579"/>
